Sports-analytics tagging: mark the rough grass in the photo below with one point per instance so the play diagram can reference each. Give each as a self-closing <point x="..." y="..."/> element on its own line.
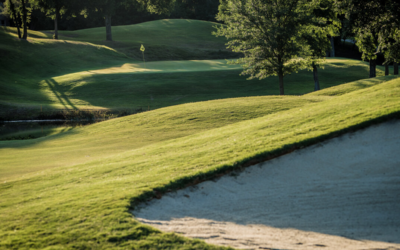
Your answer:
<point x="87" y="205"/>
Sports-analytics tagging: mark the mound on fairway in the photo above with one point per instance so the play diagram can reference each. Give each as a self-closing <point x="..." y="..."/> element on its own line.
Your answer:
<point x="340" y="194"/>
<point x="86" y="203"/>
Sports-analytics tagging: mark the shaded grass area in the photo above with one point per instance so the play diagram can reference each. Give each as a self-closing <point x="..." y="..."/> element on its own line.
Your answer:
<point x="172" y="88"/>
<point x="134" y="86"/>
<point x="31" y="132"/>
<point x="87" y="205"/>
<point x="42" y="58"/>
<point x="44" y="112"/>
<point x="23" y="64"/>
<point x="168" y="39"/>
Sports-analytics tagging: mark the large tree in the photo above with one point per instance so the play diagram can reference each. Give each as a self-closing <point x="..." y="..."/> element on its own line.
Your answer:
<point x="269" y="33"/>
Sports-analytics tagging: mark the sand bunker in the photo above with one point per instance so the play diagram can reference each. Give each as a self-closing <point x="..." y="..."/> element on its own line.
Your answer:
<point x="340" y="194"/>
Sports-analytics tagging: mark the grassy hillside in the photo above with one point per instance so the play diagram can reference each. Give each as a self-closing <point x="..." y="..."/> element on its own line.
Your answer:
<point x="127" y="85"/>
<point x="168" y="39"/>
<point x="87" y="205"/>
<point x="84" y="72"/>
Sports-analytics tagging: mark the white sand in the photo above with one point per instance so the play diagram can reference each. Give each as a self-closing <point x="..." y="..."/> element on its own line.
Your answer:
<point x="340" y="194"/>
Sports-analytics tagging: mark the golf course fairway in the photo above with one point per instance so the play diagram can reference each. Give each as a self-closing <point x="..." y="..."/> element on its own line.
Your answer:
<point x="199" y="119"/>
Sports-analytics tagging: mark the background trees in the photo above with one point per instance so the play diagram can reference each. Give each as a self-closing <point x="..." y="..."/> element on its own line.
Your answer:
<point x="54" y="9"/>
<point x="375" y="24"/>
<point x="19" y="11"/>
<point x="108" y="9"/>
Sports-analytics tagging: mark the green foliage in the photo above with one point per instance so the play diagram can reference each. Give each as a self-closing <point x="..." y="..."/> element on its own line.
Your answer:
<point x="391" y="47"/>
<point x="376" y="26"/>
<point x="367" y="43"/>
<point x="276" y="37"/>
<point x="50" y="7"/>
<point x="20" y="12"/>
<point x="267" y="33"/>
<point x="325" y="24"/>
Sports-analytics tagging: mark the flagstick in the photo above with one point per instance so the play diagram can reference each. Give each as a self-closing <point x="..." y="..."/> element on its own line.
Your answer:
<point x="143" y="59"/>
<point x="142" y="49"/>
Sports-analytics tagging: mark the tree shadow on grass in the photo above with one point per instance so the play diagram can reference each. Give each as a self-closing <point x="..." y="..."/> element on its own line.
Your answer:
<point x="59" y="92"/>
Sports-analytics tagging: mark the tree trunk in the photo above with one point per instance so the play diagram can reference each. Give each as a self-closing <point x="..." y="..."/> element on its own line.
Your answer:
<point x="20" y="24"/>
<point x="108" y="27"/>
<point x="316" y="81"/>
<point x="386" y="69"/>
<point x="372" y="68"/>
<point x="15" y="17"/>
<point x="280" y="74"/>
<point x="24" y="19"/>
<point x="395" y="68"/>
<point x="56" y="24"/>
<point x="281" y="89"/>
<point x="333" y="47"/>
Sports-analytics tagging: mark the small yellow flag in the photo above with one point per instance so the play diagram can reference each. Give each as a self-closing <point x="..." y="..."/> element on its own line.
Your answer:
<point x="142" y="48"/>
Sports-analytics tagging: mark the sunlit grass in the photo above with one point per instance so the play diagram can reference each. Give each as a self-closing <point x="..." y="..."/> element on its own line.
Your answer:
<point x="74" y="189"/>
<point x="83" y="72"/>
<point x="87" y="205"/>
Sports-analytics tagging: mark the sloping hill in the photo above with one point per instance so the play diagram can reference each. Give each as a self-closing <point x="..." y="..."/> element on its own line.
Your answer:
<point x="84" y="72"/>
<point x="87" y="205"/>
<point x="168" y="39"/>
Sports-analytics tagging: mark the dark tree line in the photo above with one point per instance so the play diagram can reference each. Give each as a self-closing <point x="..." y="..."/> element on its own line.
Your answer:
<point x="376" y="27"/>
<point x="76" y="14"/>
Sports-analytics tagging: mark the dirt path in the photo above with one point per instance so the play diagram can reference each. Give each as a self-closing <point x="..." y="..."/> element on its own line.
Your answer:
<point x="341" y="194"/>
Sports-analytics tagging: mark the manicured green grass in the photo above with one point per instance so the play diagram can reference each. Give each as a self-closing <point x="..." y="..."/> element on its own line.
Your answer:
<point x="43" y="73"/>
<point x="122" y="134"/>
<point x="135" y="85"/>
<point x="196" y="81"/>
<point x="87" y="205"/>
<point x="74" y="189"/>
<point x="168" y="39"/>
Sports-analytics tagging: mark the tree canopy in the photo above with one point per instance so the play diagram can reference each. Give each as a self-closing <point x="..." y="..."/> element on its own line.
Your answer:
<point x="274" y="36"/>
<point x="375" y="24"/>
<point x="19" y="11"/>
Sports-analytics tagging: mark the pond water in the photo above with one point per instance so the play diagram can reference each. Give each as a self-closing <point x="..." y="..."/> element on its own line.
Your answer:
<point x="23" y="130"/>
